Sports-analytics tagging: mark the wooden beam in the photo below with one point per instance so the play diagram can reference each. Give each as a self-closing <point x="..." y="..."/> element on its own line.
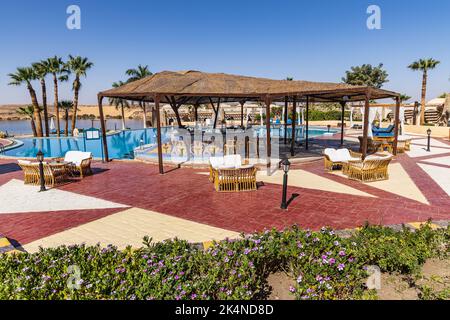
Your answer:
<point x="216" y="111"/>
<point x="158" y="135"/>
<point x="294" y="115"/>
<point x="286" y="105"/>
<point x="365" y="125"/>
<point x="307" y="123"/>
<point x="268" y="142"/>
<point x="242" y="113"/>
<point x="342" y="122"/>
<point x="102" y="124"/>
<point x="396" y="123"/>
<point x="196" y="112"/>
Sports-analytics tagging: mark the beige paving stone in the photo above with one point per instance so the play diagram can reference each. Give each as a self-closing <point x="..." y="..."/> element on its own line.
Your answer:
<point x="441" y="160"/>
<point x="304" y="179"/>
<point x="420" y="151"/>
<point x="129" y="227"/>
<point x="439" y="174"/>
<point x="399" y="183"/>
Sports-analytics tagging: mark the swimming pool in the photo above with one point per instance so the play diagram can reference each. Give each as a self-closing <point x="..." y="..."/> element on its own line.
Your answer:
<point x="121" y="145"/>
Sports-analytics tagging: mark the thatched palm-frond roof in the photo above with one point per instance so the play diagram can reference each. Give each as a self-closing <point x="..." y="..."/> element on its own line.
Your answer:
<point x="192" y="87"/>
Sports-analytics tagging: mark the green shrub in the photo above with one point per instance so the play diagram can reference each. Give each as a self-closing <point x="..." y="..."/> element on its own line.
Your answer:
<point x="323" y="266"/>
<point x="401" y="251"/>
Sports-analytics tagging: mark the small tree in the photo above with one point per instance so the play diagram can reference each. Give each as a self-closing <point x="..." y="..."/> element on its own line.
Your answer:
<point x="366" y="75"/>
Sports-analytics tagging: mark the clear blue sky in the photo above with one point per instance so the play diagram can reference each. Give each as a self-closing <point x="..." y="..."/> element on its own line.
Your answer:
<point x="311" y="40"/>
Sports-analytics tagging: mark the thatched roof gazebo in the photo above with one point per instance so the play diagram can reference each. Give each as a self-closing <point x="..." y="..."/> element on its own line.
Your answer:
<point x="195" y="88"/>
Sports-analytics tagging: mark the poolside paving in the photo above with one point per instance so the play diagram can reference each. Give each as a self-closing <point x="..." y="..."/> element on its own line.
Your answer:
<point x="413" y="194"/>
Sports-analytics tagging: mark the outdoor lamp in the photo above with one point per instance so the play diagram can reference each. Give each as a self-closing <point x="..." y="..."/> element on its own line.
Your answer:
<point x="345" y="98"/>
<point x="286" y="164"/>
<point x="40" y="158"/>
<point x="429" y="138"/>
<point x="328" y="127"/>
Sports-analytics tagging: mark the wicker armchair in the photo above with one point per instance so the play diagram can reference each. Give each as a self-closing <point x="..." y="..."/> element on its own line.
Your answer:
<point x="30" y="172"/>
<point x="80" y="162"/>
<point x="338" y="159"/>
<point x="371" y="169"/>
<point x="53" y="175"/>
<point x="235" y="180"/>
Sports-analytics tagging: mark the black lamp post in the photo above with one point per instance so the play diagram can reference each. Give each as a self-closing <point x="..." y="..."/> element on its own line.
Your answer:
<point x="285" y="164"/>
<point x="429" y="137"/>
<point x="328" y="127"/>
<point x="40" y="158"/>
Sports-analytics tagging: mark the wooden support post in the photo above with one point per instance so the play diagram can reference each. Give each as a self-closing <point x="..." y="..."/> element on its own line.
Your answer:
<point x="196" y="112"/>
<point x="242" y="113"/>
<point x="102" y="124"/>
<point x="286" y="105"/>
<point x="158" y="134"/>
<point x="396" y="123"/>
<point x="307" y="124"/>
<point x="268" y="142"/>
<point x="342" y="122"/>
<point x="366" y="125"/>
<point x="294" y="106"/>
<point x="216" y="111"/>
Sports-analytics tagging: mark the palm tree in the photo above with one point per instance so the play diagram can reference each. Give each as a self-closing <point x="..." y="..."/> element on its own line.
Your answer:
<point x="28" y="111"/>
<point x="57" y="68"/>
<point x="404" y="97"/>
<point x="25" y="76"/>
<point x="122" y="103"/>
<point x="135" y="74"/>
<point x="423" y="65"/>
<point x="78" y="66"/>
<point x="66" y="106"/>
<point x="41" y="69"/>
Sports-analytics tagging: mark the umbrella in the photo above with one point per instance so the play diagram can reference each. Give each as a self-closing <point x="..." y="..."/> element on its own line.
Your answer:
<point x="52" y="124"/>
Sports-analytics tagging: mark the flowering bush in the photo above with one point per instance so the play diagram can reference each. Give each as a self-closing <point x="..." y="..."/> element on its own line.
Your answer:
<point x="324" y="266"/>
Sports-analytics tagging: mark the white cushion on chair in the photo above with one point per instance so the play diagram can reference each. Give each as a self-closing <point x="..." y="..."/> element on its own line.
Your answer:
<point x="233" y="161"/>
<point x="77" y="157"/>
<point x="23" y="161"/>
<point x="216" y="162"/>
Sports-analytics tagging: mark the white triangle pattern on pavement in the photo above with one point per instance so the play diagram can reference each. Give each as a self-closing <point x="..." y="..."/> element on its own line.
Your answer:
<point x="439" y="174"/>
<point x="17" y="197"/>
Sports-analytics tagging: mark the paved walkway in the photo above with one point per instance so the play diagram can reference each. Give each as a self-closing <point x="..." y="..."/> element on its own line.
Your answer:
<point x="123" y="201"/>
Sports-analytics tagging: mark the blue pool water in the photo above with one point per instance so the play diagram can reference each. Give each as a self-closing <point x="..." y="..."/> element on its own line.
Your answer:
<point x="120" y="145"/>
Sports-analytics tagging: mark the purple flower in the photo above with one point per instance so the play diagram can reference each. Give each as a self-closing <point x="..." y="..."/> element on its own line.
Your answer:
<point x="230" y="253"/>
<point x="316" y="239"/>
<point x="342" y="253"/>
<point x="336" y="243"/>
<point x="292" y="289"/>
<point x="229" y="292"/>
<point x="299" y="245"/>
<point x="299" y="279"/>
<point x="332" y="261"/>
<point x="341" y="266"/>
<point x="193" y="296"/>
<point x="247" y="251"/>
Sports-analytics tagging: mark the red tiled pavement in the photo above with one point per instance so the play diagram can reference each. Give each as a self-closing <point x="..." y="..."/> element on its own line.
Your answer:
<point x="27" y="227"/>
<point x="185" y="193"/>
